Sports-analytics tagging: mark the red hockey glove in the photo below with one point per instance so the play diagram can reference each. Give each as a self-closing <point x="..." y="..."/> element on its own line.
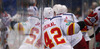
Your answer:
<point x="91" y="19"/>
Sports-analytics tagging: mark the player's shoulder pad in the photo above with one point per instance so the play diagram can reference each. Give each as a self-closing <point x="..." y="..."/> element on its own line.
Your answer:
<point x="56" y="17"/>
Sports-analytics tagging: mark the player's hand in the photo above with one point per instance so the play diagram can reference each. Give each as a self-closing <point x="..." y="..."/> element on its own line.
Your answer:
<point x="91" y="19"/>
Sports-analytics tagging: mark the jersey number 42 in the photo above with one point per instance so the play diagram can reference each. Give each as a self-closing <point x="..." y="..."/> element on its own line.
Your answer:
<point x="49" y="42"/>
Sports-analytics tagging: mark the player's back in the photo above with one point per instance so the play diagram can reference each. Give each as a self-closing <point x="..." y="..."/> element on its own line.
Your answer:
<point x="33" y="38"/>
<point x="53" y="36"/>
<point x="70" y="16"/>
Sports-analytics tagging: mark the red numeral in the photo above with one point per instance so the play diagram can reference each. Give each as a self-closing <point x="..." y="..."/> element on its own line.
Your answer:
<point x="58" y="35"/>
<point x="32" y="35"/>
<point x="48" y="41"/>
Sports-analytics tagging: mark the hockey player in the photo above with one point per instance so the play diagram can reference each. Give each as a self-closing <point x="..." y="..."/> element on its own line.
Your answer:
<point x="5" y="22"/>
<point x="53" y="36"/>
<point x="47" y="36"/>
<point x="33" y="39"/>
<point x="76" y="39"/>
<point x="32" y="30"/>
<point x="84" y="32"/>
<point x="97" y="28"/>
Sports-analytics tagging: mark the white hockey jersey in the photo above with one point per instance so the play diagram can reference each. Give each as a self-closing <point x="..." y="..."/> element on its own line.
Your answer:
<point x="32" y="11"/>
<point x="32" y="30"/>
<point x="54" y="31"/>
<point x="73" y="39"/>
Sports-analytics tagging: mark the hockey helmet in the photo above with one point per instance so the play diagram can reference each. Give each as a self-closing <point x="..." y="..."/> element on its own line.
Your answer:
<point x="64" y="8"/>
<point x="57" y="9"/>
<point x="48" y="12"/>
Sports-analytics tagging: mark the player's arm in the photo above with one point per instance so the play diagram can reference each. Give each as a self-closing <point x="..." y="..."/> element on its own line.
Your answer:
<point x="74" y="28"/>
<point x="90" y="20"/>
<point x="18" y="27"/>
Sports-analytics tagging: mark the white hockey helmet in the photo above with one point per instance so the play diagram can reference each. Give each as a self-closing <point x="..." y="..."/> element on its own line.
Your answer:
<point x="57" y="9"/>
<point x="64" y="8"/>
<point x="33" y="11"/>
<point x="48" y="12"/>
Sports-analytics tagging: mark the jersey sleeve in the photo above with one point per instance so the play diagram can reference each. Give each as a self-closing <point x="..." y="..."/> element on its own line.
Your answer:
<point x="22" y="28"/>
<point x="70" y="28"/>
<point x="19" y="28"/>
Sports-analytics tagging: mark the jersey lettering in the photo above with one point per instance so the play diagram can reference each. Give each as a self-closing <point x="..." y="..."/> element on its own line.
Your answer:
<point x="49" y="42"/>
<point x="33" y="30"/>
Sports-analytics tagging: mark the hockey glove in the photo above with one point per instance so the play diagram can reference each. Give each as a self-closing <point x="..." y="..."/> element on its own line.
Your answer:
<point x="91" y="19"/>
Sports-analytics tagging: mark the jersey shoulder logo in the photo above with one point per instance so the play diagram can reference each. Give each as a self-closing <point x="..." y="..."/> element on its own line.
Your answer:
<point x="67" y="23"/>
